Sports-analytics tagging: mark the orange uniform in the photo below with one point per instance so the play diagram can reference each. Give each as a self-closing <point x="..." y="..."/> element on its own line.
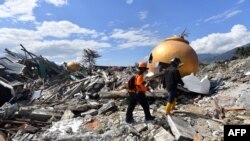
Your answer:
<point x="140" y="84"/>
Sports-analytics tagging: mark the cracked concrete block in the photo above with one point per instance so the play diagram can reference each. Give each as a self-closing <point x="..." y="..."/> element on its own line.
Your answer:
<point x="141" y="127"/>
<point x="180" y="128"/>
<point x="107" y="107"/>
<point x="163" y="135"/>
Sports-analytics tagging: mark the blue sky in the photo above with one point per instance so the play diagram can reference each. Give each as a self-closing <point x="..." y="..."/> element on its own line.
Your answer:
<point x="122" y="31"/>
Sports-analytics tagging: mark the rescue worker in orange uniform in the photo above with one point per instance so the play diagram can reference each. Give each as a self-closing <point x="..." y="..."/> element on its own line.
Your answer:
<point x="171" y="79"/>
<point x="139" y="95"/>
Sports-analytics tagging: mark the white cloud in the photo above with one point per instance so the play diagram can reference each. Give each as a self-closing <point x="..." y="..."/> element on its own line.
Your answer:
<point x="129" y="1"/>
<point x="21" y="10"/>
<point x="143" y="15"/>
<point x="104" y="38"/>
<point x="222" y="42"/>
<point x="57" y="2"/>
<point x="134" y="38"/>
<point x="62" y="29"/>
<point x="223" y="16"/>
<point x="37" y="42"/>
<point x="240" y="1"/>
<point x="65" y="47"/>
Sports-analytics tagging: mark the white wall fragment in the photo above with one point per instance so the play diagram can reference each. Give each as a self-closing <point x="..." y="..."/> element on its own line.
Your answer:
<point x="192" y="83"/>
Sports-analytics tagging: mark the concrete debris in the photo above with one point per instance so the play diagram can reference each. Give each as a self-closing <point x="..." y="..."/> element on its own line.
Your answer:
<point x="193" y="84"/>
<point x="57" y="104"/>
<point x="61" y="128"/>
<point x="181" y="129"/>
<point x="141" y="127"/>
<point x="44" y="114"/>
<point x="8" y="110"/>
<point x="107" y="107"/>
<point x="163" y="135"/>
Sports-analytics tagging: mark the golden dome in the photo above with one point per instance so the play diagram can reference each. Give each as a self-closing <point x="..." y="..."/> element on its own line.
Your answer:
<point x="73" y="66"/>
<point x="175" y="47"/>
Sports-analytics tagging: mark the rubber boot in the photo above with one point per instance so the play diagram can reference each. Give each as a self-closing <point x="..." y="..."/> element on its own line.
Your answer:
<point x="168" y="108"/>
<point x="173" y="105"/>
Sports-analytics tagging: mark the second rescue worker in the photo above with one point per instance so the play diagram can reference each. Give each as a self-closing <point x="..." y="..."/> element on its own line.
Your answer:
<point x="139" y="95"/>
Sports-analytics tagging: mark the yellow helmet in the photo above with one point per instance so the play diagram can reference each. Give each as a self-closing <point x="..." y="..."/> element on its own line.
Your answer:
<point x="142" y="65"/>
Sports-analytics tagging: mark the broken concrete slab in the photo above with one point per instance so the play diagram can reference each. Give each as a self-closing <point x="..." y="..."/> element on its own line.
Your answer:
<point x="163" y="135"/>
<point x="141" y="127"/>
<point x="26" y="111"/>
<point x="193" y="84"/>
<point x="107" y="107"/>
<point x="44" y="114"/>
<point x="180" y="128"/>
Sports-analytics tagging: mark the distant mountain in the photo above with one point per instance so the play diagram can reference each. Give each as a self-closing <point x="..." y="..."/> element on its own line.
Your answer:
<point x="219" y="57"/>
<point x="206" y="56"/>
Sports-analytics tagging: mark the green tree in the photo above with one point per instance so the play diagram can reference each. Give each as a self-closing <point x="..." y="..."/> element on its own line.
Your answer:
<point x="243" y="52"/>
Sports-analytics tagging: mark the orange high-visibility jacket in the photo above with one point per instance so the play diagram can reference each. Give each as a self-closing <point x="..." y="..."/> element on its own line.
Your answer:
<point x="140" y="83"/>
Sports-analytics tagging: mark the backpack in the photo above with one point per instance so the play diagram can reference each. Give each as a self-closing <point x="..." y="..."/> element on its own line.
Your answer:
<point x="131" y="83"/>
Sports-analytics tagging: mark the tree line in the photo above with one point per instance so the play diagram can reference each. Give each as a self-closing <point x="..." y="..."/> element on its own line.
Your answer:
<point x="243" y="52"/>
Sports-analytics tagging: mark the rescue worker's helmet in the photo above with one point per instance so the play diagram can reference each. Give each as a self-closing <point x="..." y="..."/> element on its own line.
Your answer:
<point x="142" y="65"/>
<point x="175" y="61"/>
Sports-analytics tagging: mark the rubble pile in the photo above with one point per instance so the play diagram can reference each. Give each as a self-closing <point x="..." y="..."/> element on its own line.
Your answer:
<point x="41" y="100"/>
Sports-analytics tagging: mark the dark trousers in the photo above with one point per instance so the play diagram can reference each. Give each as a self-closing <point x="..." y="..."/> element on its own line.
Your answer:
<point x="132" y="101"/>
<point x="172" y="95"/>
